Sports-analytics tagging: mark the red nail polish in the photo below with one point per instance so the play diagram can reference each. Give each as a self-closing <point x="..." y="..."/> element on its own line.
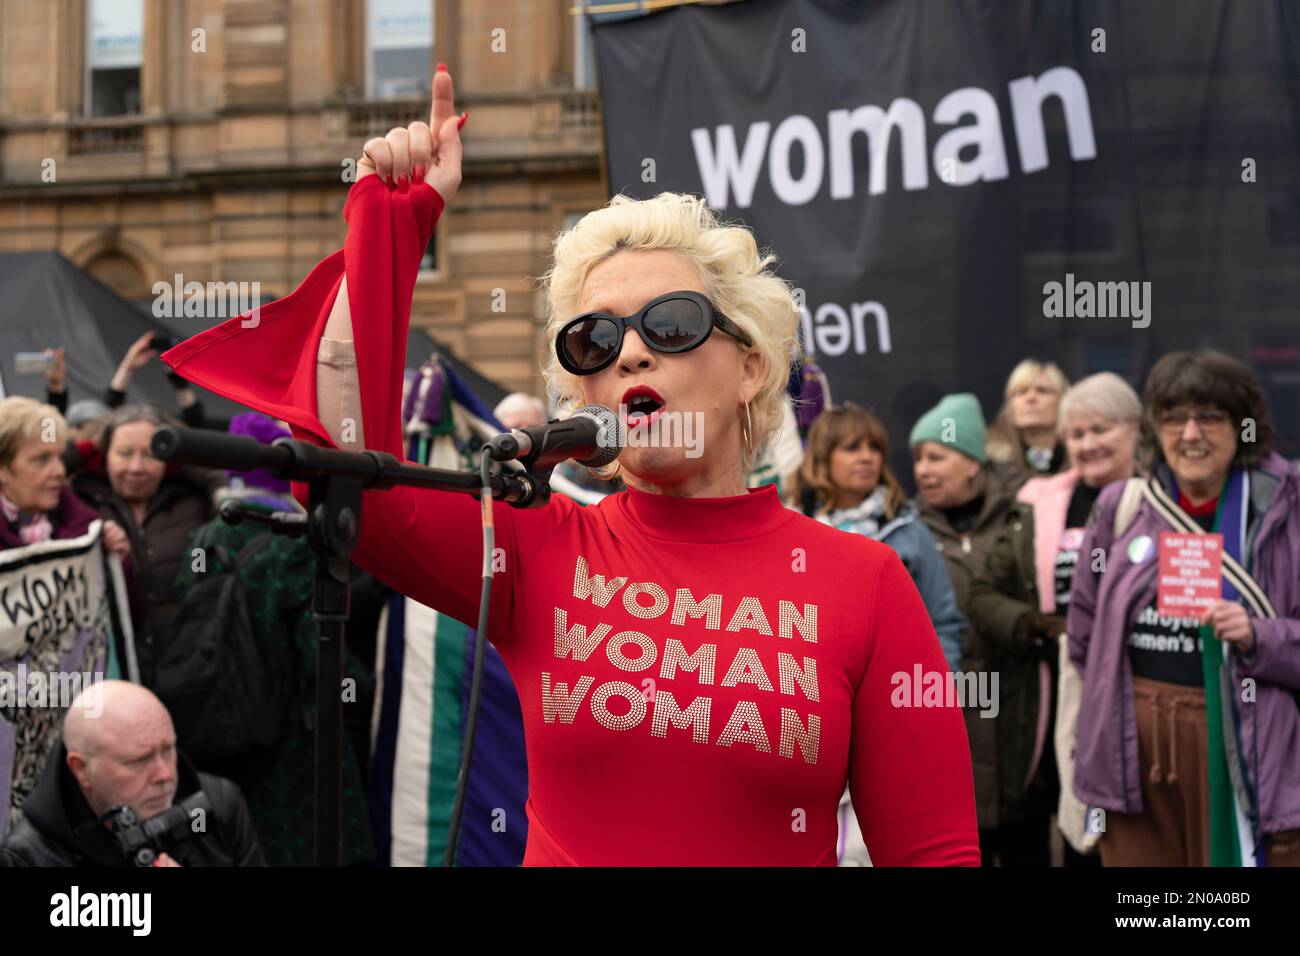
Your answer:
<point x="401" y="181"/>
<point x="419" y="172"/>
<point x="463" y="117"/>
<point x="442" y="67"/>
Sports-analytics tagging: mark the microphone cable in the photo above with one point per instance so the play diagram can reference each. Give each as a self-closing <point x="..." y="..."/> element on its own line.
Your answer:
<point x="480" y="642"/>
<point x="480" y="634"/>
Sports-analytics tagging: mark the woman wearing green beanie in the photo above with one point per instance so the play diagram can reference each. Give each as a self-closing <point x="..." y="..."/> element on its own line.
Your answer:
<point x="966" y="502"/>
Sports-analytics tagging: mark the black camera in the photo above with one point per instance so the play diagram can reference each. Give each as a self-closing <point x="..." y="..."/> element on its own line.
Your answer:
<point x="142" y="841"/>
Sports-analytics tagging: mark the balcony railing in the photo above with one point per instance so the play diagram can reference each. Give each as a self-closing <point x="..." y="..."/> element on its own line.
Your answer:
<point x="376" y="117"/>
<point x="104" y="139"/>
<point x="579" y="111"/>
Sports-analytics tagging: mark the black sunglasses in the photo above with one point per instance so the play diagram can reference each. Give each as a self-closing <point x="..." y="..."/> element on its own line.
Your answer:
<point x="673" y="322"/>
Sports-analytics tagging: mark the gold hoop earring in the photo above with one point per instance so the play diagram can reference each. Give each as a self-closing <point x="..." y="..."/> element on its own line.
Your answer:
<point x="606" y="472"/>
<point x="747" y="433"/>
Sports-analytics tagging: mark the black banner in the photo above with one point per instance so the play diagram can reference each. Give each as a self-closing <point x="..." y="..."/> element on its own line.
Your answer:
<point x="955" y="185"/>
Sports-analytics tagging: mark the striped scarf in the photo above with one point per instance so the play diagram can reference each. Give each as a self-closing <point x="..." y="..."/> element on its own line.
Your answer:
<point x="867" y="517"/>
<point x="1231" y="840"/>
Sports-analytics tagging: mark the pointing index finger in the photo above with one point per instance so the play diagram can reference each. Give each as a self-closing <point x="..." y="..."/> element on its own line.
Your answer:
<point x="442" y="98"/>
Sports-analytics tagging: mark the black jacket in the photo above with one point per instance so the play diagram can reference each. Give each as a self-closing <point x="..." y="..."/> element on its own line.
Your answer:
<point x="182" y="503"/>
<point x="58" y="828"/>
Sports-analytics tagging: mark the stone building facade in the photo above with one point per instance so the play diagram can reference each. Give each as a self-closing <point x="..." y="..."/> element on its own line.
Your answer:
<point x="210" y="138"/>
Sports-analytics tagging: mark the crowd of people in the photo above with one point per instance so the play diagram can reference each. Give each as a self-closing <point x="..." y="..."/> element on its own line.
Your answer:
<point x="1049" y="552"/>
<point x="1033" y="546"/>
<point x="1029" y="541"/>
<point x="157" y="517"/>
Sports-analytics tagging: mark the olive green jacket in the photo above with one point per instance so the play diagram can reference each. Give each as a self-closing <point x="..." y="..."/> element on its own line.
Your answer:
<point x="1001" y="744"/>
<point x="1002" y="595"/>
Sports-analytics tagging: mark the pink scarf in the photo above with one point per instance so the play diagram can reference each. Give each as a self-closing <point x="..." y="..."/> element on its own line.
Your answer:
<point x="31" y="527"/>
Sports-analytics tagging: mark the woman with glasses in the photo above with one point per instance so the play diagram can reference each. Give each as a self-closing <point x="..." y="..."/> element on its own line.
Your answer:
<point x="1189" y="731"/>
<point x="700" y="669"/>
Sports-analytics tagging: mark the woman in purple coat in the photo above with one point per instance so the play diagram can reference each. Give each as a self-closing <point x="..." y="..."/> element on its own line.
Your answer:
<point x="1189" y="730"/>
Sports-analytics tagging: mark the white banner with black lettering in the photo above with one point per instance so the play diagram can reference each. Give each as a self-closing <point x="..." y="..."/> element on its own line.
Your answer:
<point x="56" y="616"/>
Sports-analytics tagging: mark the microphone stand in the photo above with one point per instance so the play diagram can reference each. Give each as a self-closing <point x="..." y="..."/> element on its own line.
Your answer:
<point x="335" y="480"/>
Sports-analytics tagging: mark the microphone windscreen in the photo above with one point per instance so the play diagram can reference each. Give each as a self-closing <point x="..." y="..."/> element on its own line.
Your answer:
<point x="610" y="436"/>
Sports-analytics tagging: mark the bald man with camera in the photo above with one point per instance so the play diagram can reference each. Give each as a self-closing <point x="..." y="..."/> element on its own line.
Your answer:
<point x="116" y="792"/>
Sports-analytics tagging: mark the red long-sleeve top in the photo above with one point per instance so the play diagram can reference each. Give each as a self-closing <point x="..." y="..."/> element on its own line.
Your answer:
<point x="698" y="676"/>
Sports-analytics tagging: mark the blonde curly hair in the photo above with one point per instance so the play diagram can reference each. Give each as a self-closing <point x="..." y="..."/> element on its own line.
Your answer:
<point x="735" y="275"/>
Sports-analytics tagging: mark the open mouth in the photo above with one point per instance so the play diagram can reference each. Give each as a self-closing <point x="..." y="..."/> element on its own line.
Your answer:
<point x="644" y="406"/>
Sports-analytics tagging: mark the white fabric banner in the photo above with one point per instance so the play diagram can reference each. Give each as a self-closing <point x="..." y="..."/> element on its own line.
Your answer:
<point x="55" y="622"/>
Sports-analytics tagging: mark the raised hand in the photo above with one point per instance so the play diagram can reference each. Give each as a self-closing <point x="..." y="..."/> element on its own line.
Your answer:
<point x="422" y="152"/>
<point x="136" y="358"/>
<point x="56" y="378"/>
<point x="140" y="352"/>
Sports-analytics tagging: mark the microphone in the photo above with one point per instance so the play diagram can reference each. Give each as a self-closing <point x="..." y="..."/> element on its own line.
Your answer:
<point x="213" y="449"/>
<point x="593" y="436"/>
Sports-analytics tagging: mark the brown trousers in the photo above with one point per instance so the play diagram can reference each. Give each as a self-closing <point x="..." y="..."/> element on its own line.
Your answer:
<point x="1174" y="827"/>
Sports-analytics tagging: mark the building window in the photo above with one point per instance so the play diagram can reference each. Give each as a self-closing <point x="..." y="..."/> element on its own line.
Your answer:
<point x="399" y="49"/>
<point x="584" y="51"/>
<point x="114" y="52"/>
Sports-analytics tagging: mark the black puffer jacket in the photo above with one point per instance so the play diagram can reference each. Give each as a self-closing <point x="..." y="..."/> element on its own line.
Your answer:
<point x="58" y="827"/>
<point x="158" y="548"/>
